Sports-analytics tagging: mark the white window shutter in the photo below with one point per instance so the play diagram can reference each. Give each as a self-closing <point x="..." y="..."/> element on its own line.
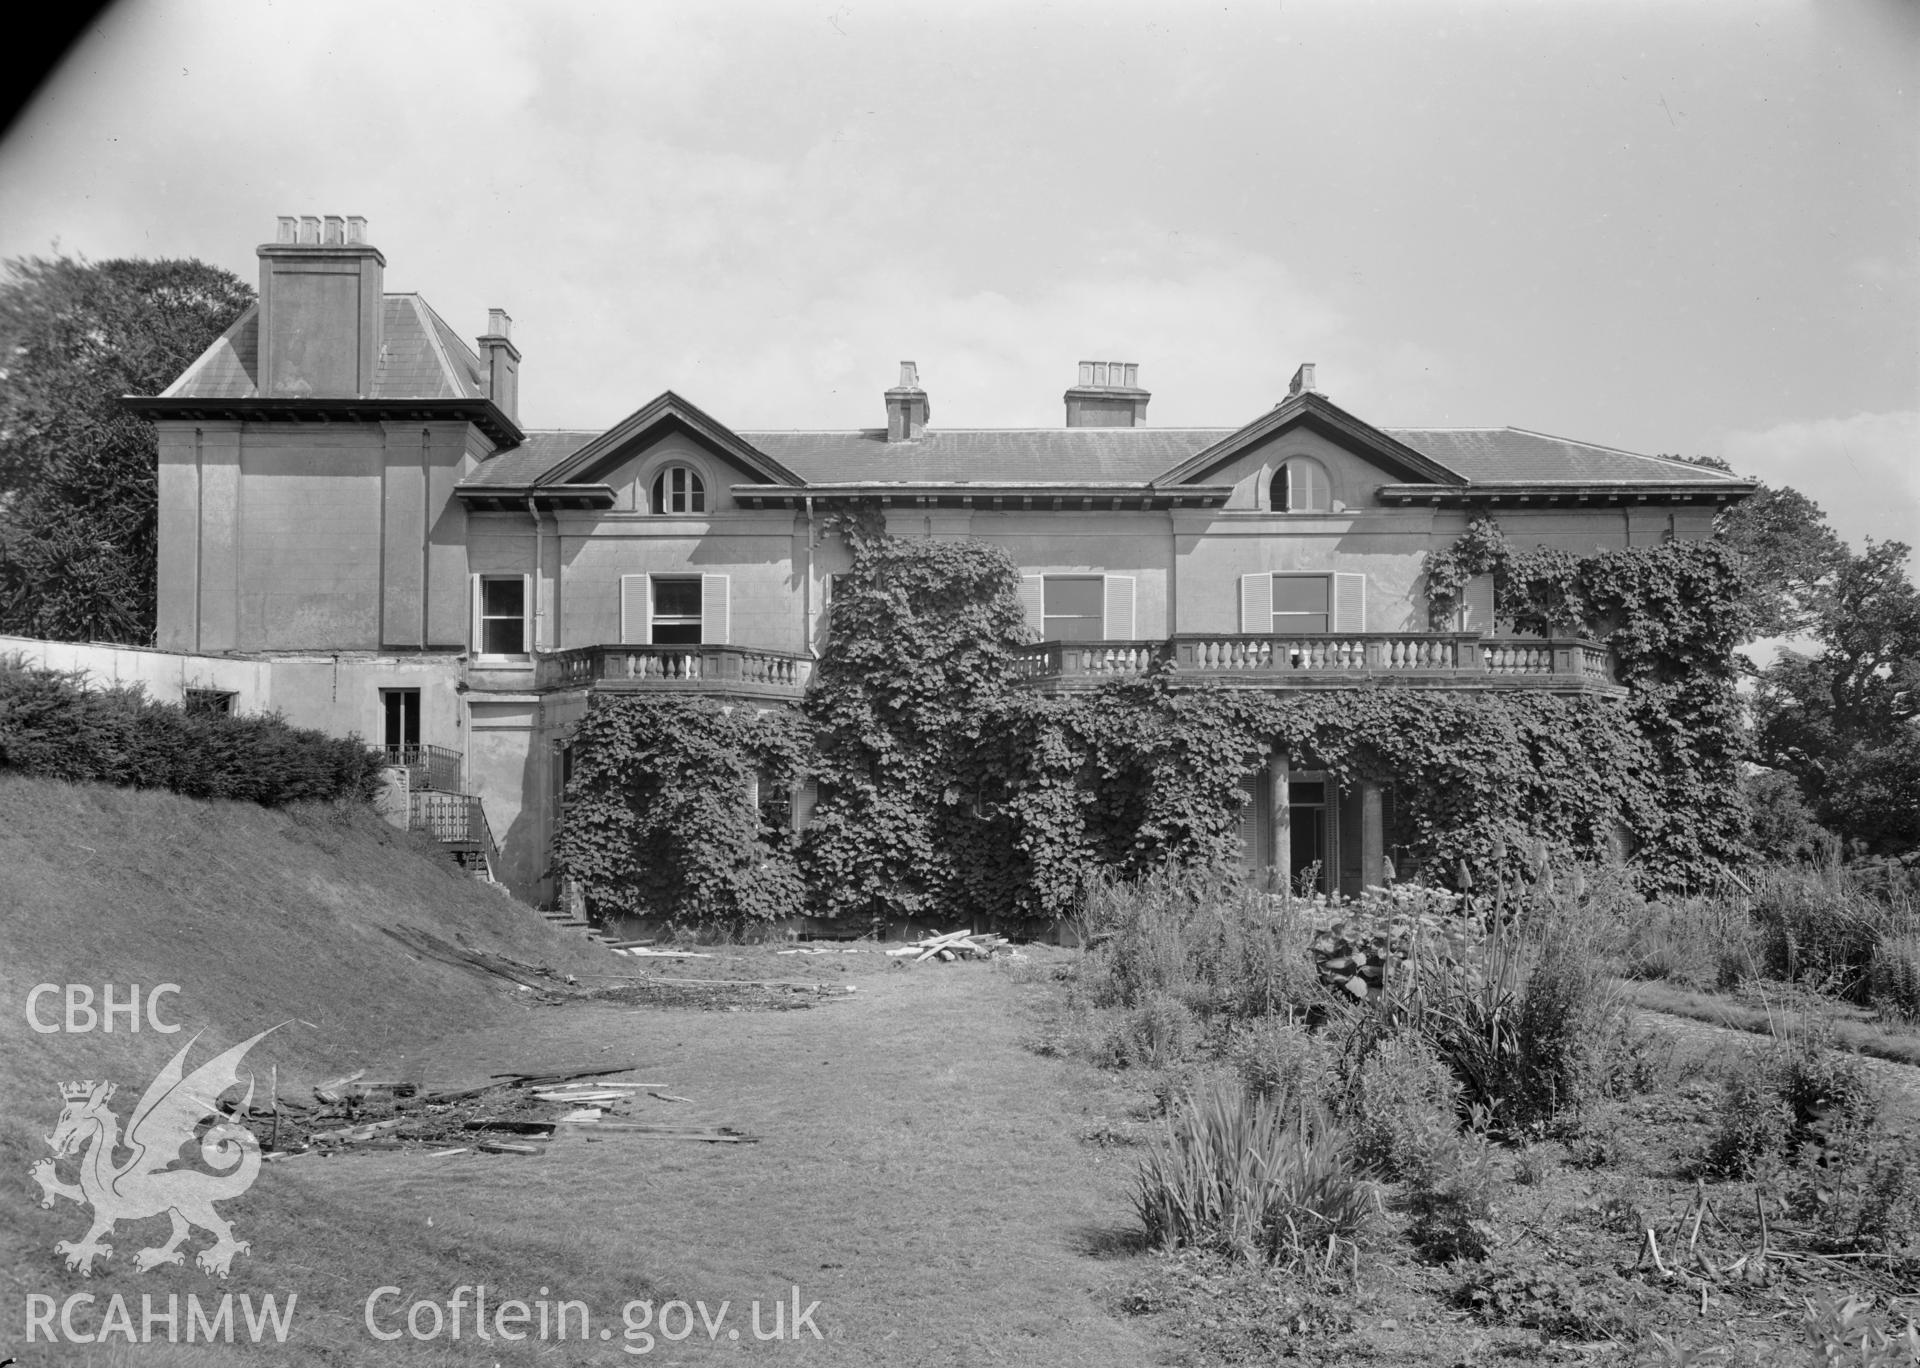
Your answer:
<point x="473" y="613"/>
<point x="1349" y="603"/>
<point x="715" y="611"/>
<point x="636" y="610"/>
<point x="1033" y="597"/>
<point x="528" y="618"/>
<point x="1476" y="605"/>
<point x="1118" y="625"/>
<point x="1248" y="824"/>
<point x="1256" y="603"/>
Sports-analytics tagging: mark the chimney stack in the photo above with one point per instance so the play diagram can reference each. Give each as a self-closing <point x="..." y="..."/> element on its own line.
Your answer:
<point x="1302" y="382"/>
<point x="1108" y="395"/>
<point x="907" y="406"/>
<point x="320" y="304"/>
<point x="503" y="364"/>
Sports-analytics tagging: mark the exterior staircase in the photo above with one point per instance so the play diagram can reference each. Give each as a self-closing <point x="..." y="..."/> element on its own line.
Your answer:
<point x="437" y="807"/>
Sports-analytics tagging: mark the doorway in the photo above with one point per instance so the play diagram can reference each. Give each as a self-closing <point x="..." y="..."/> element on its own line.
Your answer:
<point x="400" y="721"/>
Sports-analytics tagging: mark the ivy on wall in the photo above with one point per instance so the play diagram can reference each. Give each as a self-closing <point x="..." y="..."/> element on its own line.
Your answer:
<point x="1673" y="614"/>
<point x="945" y="792"/>
<point x="661" y="814"/>
<point x="1141" y="772"/>
<point x="920" y="645"/>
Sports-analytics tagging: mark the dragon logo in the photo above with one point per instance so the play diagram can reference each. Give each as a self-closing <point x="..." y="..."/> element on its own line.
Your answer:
<point x="146" y="1185"/>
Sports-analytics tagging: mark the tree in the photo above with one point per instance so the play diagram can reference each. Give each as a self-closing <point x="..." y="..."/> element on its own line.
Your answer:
<point x="1843" y="721"/>
<point x="78" y="472"/>
<point x="1790" y="556"/>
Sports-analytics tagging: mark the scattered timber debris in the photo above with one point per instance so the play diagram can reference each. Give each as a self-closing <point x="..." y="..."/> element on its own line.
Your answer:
<point x="515" y="1113"/>
<point x="955" y="945"/>
<point x="731" y="995"/>
<point x="534" y="977"/>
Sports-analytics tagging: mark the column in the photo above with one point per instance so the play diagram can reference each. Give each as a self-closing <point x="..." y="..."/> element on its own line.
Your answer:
<point x="1373" y="854"/>
<point x="1280" y="819"/>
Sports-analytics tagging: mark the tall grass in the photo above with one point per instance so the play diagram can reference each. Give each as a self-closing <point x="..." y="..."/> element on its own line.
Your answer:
<point x="1256" y="1177"/>
<point x="1208" y="940"/>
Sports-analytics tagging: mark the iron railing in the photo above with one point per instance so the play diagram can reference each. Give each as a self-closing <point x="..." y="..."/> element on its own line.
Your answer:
<point x="428" y="767"/>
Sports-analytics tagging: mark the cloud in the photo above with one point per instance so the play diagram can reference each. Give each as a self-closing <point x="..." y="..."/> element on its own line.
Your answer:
<point x="1863" y="470"/>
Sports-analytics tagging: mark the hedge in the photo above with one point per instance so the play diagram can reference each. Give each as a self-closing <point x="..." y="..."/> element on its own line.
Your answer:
<point x="52" y="724"/>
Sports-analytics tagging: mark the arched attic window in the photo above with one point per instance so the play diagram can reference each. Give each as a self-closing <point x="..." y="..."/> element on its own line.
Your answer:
<point x="679" y="489"/>
<point x="1301" y="486"/>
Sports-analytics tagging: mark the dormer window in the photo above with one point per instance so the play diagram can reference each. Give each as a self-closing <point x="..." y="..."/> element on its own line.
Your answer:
<point x="679" y="489"/>
<point x="1301" y="486"/>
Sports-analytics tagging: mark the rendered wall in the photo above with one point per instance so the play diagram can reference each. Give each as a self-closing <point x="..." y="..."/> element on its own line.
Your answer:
<point x="283" y="536"/>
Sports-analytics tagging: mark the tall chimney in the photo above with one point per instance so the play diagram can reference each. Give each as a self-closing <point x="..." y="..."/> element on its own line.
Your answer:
<point x="320" y="297"/>
<point x="907" y="406"/>
<point x="1302" y="382"/>
<point x="503" y="364"/>
<point x="1108" y="395"/>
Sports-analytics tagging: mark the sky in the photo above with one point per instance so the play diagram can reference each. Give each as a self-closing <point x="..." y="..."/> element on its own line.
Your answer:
<point x="1690" y="226"/>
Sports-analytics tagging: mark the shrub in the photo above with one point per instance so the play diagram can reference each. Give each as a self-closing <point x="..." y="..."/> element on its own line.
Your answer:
<point x="1254" y="1177"/>
<point x="1778" y="1093"/>
<point x="1401" y="1105"/>
<point x="1159" y="1032"/>
<point x="1526" y="1033"/>
<point x="1452" y="1205"/>
<point x="1281" y="1059"/>
<point x="1820" y="928"/>
<point x="51" y="724"/>
<point x="1893" y="977"/>
<point x="1200" y="936"/>
<point x="1859" y="1186"/>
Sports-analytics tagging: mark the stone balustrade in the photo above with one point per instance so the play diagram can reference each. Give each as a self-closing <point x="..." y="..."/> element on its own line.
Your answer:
<point x="691" y="669"/>
<point x="1455" y="660"/>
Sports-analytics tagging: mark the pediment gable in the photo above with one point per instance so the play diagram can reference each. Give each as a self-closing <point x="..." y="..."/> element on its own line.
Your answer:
<point x="1395" y="460"/>
<point x="666" y="415"/>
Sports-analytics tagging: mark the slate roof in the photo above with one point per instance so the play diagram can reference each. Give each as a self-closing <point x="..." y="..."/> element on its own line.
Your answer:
<point x="992" y="455"/>
<point x="1505" y="455"/>
<point x="421" y="357"/>
<point x="1123" y="455"/>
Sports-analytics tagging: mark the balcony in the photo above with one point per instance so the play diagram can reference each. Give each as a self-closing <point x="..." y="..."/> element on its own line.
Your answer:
<point x="427" y="767"/>
<point x="733" y="671"/>
<point x="1338" y="660"/>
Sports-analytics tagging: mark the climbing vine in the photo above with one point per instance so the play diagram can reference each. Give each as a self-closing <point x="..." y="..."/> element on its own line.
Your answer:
<point x="946" y="792"/>
<point x="1673" y="615"/>
<point x="1138" y="773"/>
<point x="676" y="810"/>
<point x="920" y="646"/>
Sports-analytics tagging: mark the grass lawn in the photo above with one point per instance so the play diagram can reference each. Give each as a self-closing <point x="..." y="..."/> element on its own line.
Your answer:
<point x="918" y="1172"/>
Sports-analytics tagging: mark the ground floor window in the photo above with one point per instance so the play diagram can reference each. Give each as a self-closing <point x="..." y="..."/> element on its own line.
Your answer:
<point x="209" y="700"/>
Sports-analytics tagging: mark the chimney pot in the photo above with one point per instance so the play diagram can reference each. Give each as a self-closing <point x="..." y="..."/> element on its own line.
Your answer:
<point x="289" y="228"/>
<point x="1108" y="395"/>
<point x="335" y="233"/>
<point x="498" y="324"/>
<point x="356" y="230"/>
<point x="909" y="375"/>
<point x="1302" y="381"/>
<point x="309" y="230"/>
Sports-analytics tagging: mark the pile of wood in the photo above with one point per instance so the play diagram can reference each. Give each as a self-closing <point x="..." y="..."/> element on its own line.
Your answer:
<point x="955" y="945"/>
<point x="515" y="1113"/>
